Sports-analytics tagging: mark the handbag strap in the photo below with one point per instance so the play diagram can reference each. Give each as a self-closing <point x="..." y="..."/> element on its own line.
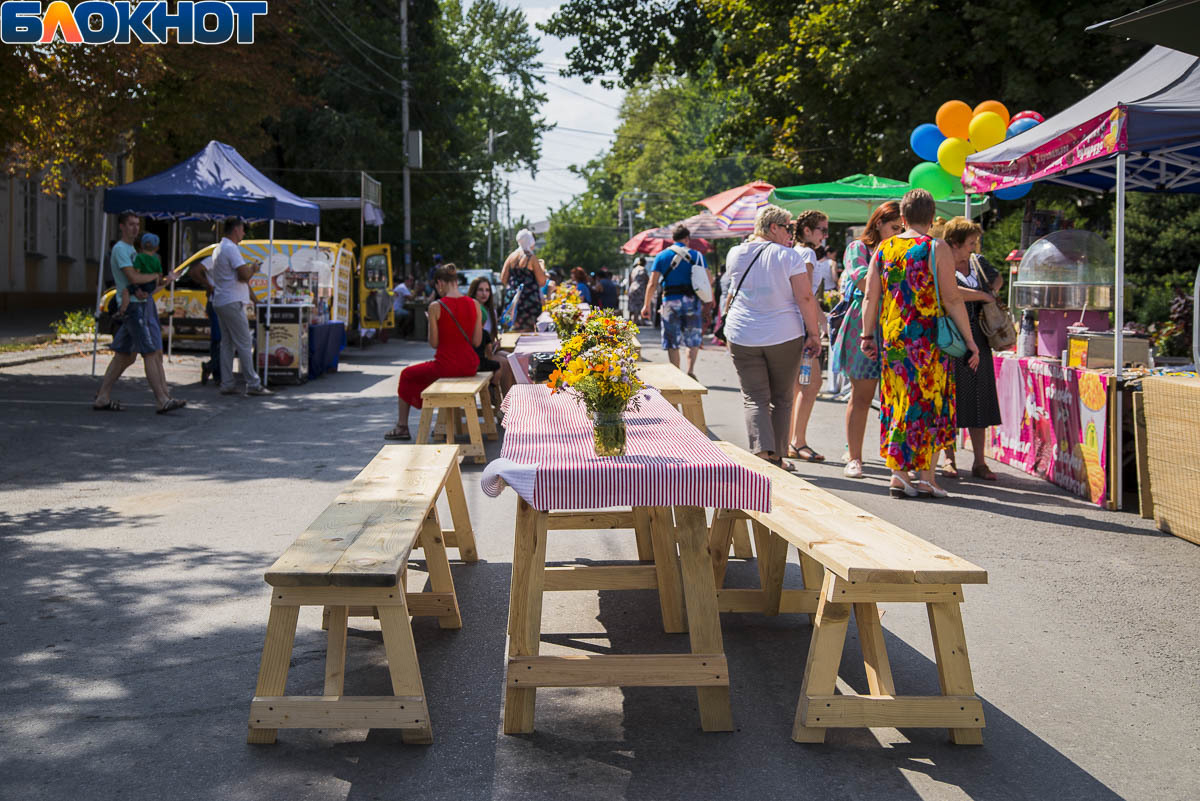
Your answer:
<point x="737" y="290"/>
<point x="933" y="268"/>
<point x="454" y="319"/>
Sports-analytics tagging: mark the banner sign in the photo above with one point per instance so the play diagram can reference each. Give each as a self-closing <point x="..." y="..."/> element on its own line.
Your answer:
<point x="1054" y="424"/>
<point x="1099" y="137"/>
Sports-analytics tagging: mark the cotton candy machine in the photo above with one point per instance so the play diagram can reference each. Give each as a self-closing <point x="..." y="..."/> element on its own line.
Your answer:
<point x="1069" y="276"/>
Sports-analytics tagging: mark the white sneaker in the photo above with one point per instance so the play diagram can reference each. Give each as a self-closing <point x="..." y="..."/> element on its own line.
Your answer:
<point x="259" y="390"/>
<point x="853" y="469"/>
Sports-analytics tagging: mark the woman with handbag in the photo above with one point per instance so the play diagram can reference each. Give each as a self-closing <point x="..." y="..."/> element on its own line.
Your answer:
<point x="913" y="297"/>
<point x="977" y="405"/>
<point x="846" y="354"/>
<point x="771" y="320"/>
<point x="455" y="330"/>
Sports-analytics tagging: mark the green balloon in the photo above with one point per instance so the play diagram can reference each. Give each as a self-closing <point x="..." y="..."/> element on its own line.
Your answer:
<point x="931" y="177"/>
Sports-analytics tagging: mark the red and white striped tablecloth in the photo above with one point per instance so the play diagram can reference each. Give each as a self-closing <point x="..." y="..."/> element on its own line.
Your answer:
<point x="548" y="458"/>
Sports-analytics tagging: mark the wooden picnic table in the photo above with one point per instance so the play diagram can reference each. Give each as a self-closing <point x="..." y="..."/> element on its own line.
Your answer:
<point x="509" y="340"/>
<point x="671" y="472"/>
<point x="679" y="388"/>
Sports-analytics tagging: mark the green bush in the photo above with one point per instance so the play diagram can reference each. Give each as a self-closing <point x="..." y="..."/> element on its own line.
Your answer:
<point x="74" y="322"/>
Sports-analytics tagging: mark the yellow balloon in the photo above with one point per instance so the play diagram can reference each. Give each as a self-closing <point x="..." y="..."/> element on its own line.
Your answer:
<point x="986" y="129"/>
<point x="952" y="155"/>
<point x="996" y="106"/>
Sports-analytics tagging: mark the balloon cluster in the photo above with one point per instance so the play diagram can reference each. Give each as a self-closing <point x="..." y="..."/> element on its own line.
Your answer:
<point x="960" y="131"/>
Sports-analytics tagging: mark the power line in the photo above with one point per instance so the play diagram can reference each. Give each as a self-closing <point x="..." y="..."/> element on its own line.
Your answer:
<point x="581" y="94"/>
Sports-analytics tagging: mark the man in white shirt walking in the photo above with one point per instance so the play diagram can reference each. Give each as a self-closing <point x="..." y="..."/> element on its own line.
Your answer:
<point x="231" y="299"/>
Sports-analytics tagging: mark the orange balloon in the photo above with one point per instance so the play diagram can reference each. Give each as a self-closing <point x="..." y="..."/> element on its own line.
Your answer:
<point x="993" y="105"/>
<point x="954" y="119"/>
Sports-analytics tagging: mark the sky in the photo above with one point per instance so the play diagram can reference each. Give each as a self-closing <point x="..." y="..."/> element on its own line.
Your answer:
<point x="570" y="104"/>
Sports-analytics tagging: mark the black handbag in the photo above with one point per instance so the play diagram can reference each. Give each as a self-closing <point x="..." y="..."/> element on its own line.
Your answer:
<point x="541" y="365"/>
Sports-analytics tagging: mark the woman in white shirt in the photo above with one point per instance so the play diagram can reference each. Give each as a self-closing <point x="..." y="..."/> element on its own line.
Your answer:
<point x="811" y="229"/>
<point x="769" y="309"/>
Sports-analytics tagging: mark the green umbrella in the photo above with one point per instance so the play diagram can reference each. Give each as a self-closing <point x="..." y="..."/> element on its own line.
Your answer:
<point x="852" y="199"/>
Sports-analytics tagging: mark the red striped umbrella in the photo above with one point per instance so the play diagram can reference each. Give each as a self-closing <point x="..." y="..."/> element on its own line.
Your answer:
<point x="739" y="215"/>
<point x="719" y="202"/>
<point x="645" y="242"/>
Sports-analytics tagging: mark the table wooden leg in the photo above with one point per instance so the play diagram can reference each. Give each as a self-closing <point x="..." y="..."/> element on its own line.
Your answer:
<point x="276" y="658"/>
<point x="953" y="664"/>
<point x="464" y="535"/>
<point x="720" y="534"/>
<point x="525" y="612"/>
<point x="772" y="561"/>
<point x="874" y="650"/>
<point x="440" y="578"/>
<point x="403" y="667"/>
<point x="824" y="659"/>
<point x="335" y="652"/>
<point x="666" y="564"/>
<point x="741" y="541"/>
<point x="704" y="621"/>
<point x="641" y="532"/>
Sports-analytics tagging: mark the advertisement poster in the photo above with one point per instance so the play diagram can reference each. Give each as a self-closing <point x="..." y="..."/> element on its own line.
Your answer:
<point x="342" y="273"/>
<point x="1054" y="424"/>
<point x="287" y="355"/>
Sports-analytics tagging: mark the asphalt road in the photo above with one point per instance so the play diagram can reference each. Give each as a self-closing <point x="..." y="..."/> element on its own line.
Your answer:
<point x="132" y="548"/>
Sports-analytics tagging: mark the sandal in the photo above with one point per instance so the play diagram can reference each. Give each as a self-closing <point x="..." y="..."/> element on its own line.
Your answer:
<point x="398" y="433"/>
<point x="778" y="462"/>
<point x="950" y="471"/>
<point x="171" y="405"/>
<point x="111" y="406"/>
<point x="926" y="490"/>
<point x="905" y="490"/>
<point x="798" y="453"/>
<point x="984" y="472"/>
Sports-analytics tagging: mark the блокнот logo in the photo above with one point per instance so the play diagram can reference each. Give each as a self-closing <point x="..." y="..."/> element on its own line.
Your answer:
<point x="208" y="22"/>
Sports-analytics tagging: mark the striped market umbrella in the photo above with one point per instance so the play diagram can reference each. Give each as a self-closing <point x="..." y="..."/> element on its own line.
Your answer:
<point x="722" y="200"/>
<point x="739" y="215"/>
<point x="705" y="224"/>
<point x="646" y="242"/>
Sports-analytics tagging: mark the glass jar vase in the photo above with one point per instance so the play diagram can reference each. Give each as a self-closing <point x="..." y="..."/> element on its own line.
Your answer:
<point x="608" y="433"/>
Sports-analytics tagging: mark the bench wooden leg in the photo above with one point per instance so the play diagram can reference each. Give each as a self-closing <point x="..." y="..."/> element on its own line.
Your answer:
<point x="277" y="656"/>
<point x="741" y="541"/>
<point x="824" y="658"/>
<point x="693" y="410"/>
<point x="451" y="415"/>
<point x="813" y="573"/>
<point x="403" y="667"/>
<point x="440" y="578"/>
<point x="475" y="434"/>
<point x="874" y="649"/>
<point x="720" y="534"/>
<point x="954" y="666"/>
<point x="704" y="621"/>
<point x="642" y="533"/>
<point x="424" y="425"/>
<point x="464" y="535"/>
<point x="666" y="565"/>
<point x="772" y="561"/>
<point x="525" y="612"/>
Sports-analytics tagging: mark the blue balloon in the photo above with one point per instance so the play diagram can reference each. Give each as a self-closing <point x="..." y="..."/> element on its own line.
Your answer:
<point x="925" y="140"/>
<point x="1021" y="126"/>
<point x="1013" y="192"/>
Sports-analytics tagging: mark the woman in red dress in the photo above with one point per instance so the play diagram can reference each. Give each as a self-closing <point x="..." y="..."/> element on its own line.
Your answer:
<point x="455" y="330"/>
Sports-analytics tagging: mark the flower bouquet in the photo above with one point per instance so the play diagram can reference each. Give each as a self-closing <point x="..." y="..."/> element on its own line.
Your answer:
<point x="564" y="309"/>
<point x="598" y="366"/>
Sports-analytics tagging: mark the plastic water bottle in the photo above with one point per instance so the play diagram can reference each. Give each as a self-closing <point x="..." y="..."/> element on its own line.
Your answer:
<point x="805" y="371"/>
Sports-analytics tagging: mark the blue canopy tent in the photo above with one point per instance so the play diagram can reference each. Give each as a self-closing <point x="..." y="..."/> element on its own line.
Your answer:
<point x="213" y="184"/>
<point x="1140" y="131"/>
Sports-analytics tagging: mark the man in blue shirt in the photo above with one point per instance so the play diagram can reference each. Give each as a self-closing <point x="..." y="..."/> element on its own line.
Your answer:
<point x="681" y="310"/>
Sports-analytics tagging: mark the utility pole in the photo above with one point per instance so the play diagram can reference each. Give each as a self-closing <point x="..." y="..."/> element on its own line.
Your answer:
<point x="491" y="145"/>
<point x="404" y="127"/>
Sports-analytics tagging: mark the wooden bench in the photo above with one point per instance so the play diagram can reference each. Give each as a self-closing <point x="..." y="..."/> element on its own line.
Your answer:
<point x="352" y="560"/>
<point x="456" y="399"/>
<point x="851" y="561"/>
<point x="509" y="339"/>
<point x="680" y="390"/>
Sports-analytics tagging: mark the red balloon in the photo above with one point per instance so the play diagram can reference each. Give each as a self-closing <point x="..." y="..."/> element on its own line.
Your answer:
<point x="1027" y="115"/>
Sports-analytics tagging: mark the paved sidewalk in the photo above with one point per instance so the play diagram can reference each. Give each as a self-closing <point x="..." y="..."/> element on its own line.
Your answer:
<point x="134" y="610"/>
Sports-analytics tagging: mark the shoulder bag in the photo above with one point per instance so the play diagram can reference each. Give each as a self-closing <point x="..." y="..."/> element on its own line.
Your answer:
<point x="719" y="332"/>
<point x="995" y="320"/>
<point x="697" y="274"/>
<point x="457" y="324"/>
<point x="949" y="339"/>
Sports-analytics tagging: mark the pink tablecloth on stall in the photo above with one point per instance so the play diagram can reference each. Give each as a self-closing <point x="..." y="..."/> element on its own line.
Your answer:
<point x="548" y="458"/>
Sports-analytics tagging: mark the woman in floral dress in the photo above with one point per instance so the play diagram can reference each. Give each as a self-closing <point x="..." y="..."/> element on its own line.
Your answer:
<point x="846" y="355"/>
<point x="916" y="414"/>
<point x="522" y="272"/>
